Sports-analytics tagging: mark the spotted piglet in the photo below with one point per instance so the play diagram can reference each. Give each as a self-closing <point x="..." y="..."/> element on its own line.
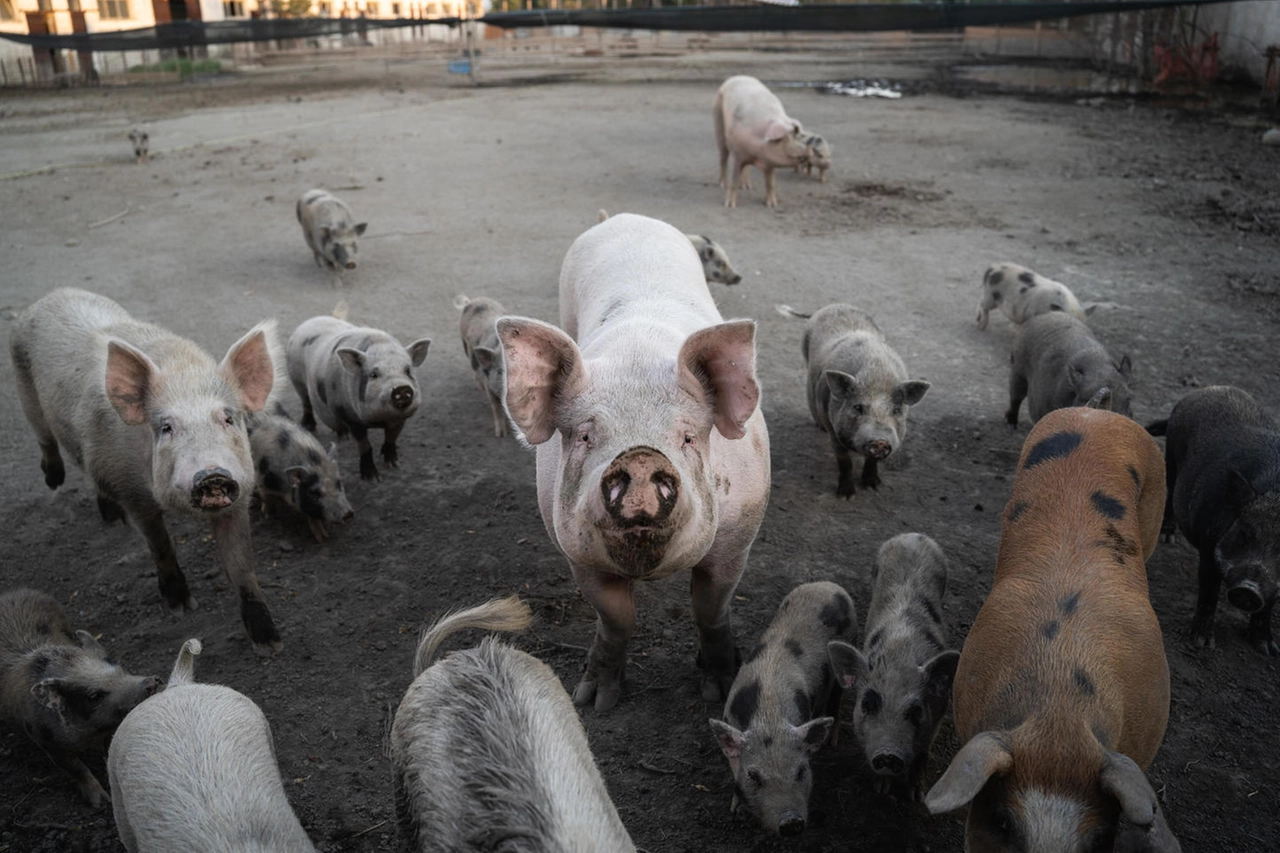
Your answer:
<point x="1022" y="294"/>
<point x="141" y="144"/>
<point x="60" y="686"/>
<point x="355" y="379"/>
<point x="899" y="683"/>
<point x="770" y="727"/>
<point x="294" y="469"/>
<point x="330" y="229"/>
<point x="484" y="351"/>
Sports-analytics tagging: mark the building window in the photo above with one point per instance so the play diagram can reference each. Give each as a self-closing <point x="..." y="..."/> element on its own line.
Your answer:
<point x="395" y="9"/>
<point x="113" y="9"/>
<point x="433" y="10"/>
<point x="233" y="8"/>
<point x="371" y="8"/>
<point x="6" y="10"/>
<point x="324" y="10"/>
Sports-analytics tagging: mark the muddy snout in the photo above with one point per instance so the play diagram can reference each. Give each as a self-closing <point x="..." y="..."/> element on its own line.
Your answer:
<point x="879" y="449"/>
<point x="640" y="488"/>
<point x="1249" y="588"/>
<point x="888" y="763"/>
<point x="214" y="488"/>
<point x="791" y="823"/>
<point x="402" y="397"/>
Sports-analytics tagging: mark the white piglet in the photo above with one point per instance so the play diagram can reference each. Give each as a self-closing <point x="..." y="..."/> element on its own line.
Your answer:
<point x="194" y="768"/>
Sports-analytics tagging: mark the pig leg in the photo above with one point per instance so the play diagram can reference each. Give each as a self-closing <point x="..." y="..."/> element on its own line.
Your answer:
<point x="712" y="589"/>
<point x="55" y="473"/>
<point x="1017" y="393"/>
<point x="1207" y="602"/>
<point x="870" y="472"/>
<point x="613" y="598"/>
<point x="1259" y="632"/>
<point x="173" y="584"/>
<point x="88" y="784"/>
<point x="731" y="192"/>
<point x="110" y="511"/>
<point x="231" y="532"/>
<point x="390" y="453"/>
<point x="499" y="416"/>
<point x="368" y="470"/>
<point x="308" y="421"/>
<point x="721" y="146"/>
<point x="770" y="187"/>
<point x="844" y="463"/>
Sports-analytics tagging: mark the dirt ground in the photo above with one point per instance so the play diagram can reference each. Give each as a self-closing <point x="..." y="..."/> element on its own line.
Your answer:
<point x="1166" y="213"/>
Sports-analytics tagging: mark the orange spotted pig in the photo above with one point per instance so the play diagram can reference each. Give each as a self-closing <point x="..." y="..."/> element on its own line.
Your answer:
<point x="1061" y="695"/>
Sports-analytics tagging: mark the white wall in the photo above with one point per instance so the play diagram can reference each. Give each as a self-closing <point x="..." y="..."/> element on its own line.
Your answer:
<point x="1245" y="29"/>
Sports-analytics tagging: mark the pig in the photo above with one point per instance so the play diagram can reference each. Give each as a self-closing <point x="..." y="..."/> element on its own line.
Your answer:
<point x="141" y="143"/>
<point x="1061" y="695"/>
<point x="295" y="470"/>
<point x="715" y="262"/>
<point x="1057" y="362"/>
<point x="60" y="686"/>
<point x="1222" y="467"/>
<point x="751" y="124"/>
<point x="819" y="155"/>
<point x="488" y="753"/>
<point x="157" y="426"/>
<point x="652" y="450"/>
<point x="194" y="768"/>
<point x="1023" y="294"/>
<point x="858" y="389"/>
<point x="773" y="719"/>
<point x="484" y="351"/>
<point x="330" y="229"/>
<point x="356" y="379"/>
<point x="900" y="682"/>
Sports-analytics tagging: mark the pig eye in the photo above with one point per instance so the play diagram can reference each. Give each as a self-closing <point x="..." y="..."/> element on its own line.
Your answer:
<point x="800" y="773"/>
<point x="754" y="777"/>
<point x="689" y="439"/>
<point x="166" y="427"/>
<point x="897" y="410"/>
<point x="871" y="703"/>
<point x="375" y="373"/>
<point x="913" y="714"/>
<point x="859" y="409"/>
<point x="95" y="696"/>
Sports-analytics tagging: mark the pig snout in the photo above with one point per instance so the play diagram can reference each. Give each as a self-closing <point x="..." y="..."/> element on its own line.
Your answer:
<point x="888" y="763"/>
<point x="879" y="449"/>
<point x="1248" y="589"/>
<point x="214" y="488"/>
<point x="348" y="515"/>
<point x="640" y="487"/>
<point x="791" y="823"/>
<point x="151" y="684"/>
<point x="401" y="397"/>
<point x="351" y="265"/>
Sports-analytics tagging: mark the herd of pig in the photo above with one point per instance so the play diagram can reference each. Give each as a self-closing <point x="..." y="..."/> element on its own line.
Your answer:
<point x="652" y="459"/>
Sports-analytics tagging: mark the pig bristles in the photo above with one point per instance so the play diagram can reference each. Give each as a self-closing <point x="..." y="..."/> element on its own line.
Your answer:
<point x="340" y="310"/>
<point x="788" y="311"/>
<point x="184" y="669"/>
<point x="498" y="614"/>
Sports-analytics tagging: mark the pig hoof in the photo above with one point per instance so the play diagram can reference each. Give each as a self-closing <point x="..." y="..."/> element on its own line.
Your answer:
<point x="845" y="490"/>
<point x="714" y="689"/>
<point x="391" y="456"/>
<point x="368" y="471"/>
<point x="54" y="473"/>
<point x="1202" y="638"/>
<point x="872" y="482"/>
<point x="109" y="510"/>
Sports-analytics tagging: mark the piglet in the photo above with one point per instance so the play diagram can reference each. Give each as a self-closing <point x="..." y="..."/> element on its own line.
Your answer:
<point x="1057" y="363"/>
<point x="141" y="144"/>
<point x="295" y="470"/>
<point x="330" y="229"/>
<point x="1222" y="465"/>
<point x="715" y="261"/>
<point x="900" y="681"/>
<point x="775" y="717"/>
<point x="355" y="379"/>
<point x="858" y="389"/>
<point x="194" y="768"/>
<point x="819" y="155"/>
<point x="1022" y="294"/>
<point x="60" y="686"/>
<point x="484" y="351"/>
<point x="751" y="124"/>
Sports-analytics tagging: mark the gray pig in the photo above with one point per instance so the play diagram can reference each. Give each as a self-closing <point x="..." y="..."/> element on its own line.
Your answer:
<point x="1222" y="472"/>
<point x="194" y="768"/>
<point x="157" y="425"/>
<point x="1057" y="362"/>
<point x="487" y="751"/>
<point x="294" y="469"/>
<point x="141" y="144"/>
<point x="330" y="229"/>
<point x="858" y="389"/>
<point x="770" y="725"/>
<point x="484" y="351"/>
<point x="900" y="682"/>
<point x="60" y="687"/>
<point x="715" y="261"/>
<point x="355" y="379"/>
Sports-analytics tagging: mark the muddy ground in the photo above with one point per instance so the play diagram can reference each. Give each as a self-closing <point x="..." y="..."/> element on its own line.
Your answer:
<point x="1167" y="213"/>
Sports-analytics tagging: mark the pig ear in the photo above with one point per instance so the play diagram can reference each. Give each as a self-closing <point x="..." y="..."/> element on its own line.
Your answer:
<point x="130" y="375"/>
<point x="253" y="364"/>
<point x="49" y="693"/>
<point x="295" y="473"/>
<point x="847" y="663"/>
<point x="87" y="642"/>
<point x="485" y="358"/>
<point x="1240" y="492"/>
<point x="731" y="740"/>
<point x="418" y="351"/>
<point x="721" y="359"/>
<point x="986" y="755"/>
<point x="359" y="229"/>
<point x="939" y="673"/>
<point x="814" y="733"/>
<point x="912" y="391"/>
<point x="1075" y="376"/>
<point x="544" y="367"/>
<point x="1125" y="781"/>
<point x="775" y="131"/>
<point x="842" y="385"/>
<point x="352" y="360"/>
<point x="1125" y="366"/>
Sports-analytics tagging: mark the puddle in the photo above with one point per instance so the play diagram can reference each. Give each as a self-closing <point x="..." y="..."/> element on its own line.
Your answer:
<point x="1034" y="78"/>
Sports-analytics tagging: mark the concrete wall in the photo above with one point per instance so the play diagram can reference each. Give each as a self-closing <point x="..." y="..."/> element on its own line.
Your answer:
<point x="1245" y="30"/>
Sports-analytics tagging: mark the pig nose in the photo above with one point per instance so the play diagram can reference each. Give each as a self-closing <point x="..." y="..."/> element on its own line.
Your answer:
<point x="214" y="488"/>
<point x="348" y="515"/>
<point x="402" y="397"/>
<point x="1246" y="596"/>
<point x="790" y="824"/>
<point x="351" y="265"/>
<point x="151" y="685"/>
<point x="887" y="763"/>
<point x="734" y="279"/>
<point x="640" y="487"/>
<point x="879" y="449"/>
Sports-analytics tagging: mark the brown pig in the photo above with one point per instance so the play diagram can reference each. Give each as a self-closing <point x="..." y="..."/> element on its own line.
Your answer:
<point x="1061" y="694"/>
<point x="157" y="425"/>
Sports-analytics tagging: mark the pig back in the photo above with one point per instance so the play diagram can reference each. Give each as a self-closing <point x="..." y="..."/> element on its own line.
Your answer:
<point x="1068" y="631"/>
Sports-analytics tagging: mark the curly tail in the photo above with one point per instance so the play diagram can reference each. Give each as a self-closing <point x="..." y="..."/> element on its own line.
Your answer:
<point x="499" y="614"/>
<point x="788" y="311"/>
<point x="461" y="301"/>
<point x="184" y="669"/>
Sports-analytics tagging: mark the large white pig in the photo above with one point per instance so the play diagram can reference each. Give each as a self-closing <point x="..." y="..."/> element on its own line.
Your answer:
<point x="751" y="125"/>
<point x="653" y="457"/>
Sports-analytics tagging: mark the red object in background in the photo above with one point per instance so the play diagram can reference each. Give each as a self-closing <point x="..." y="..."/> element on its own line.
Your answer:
<point x="1196" y="63"/>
